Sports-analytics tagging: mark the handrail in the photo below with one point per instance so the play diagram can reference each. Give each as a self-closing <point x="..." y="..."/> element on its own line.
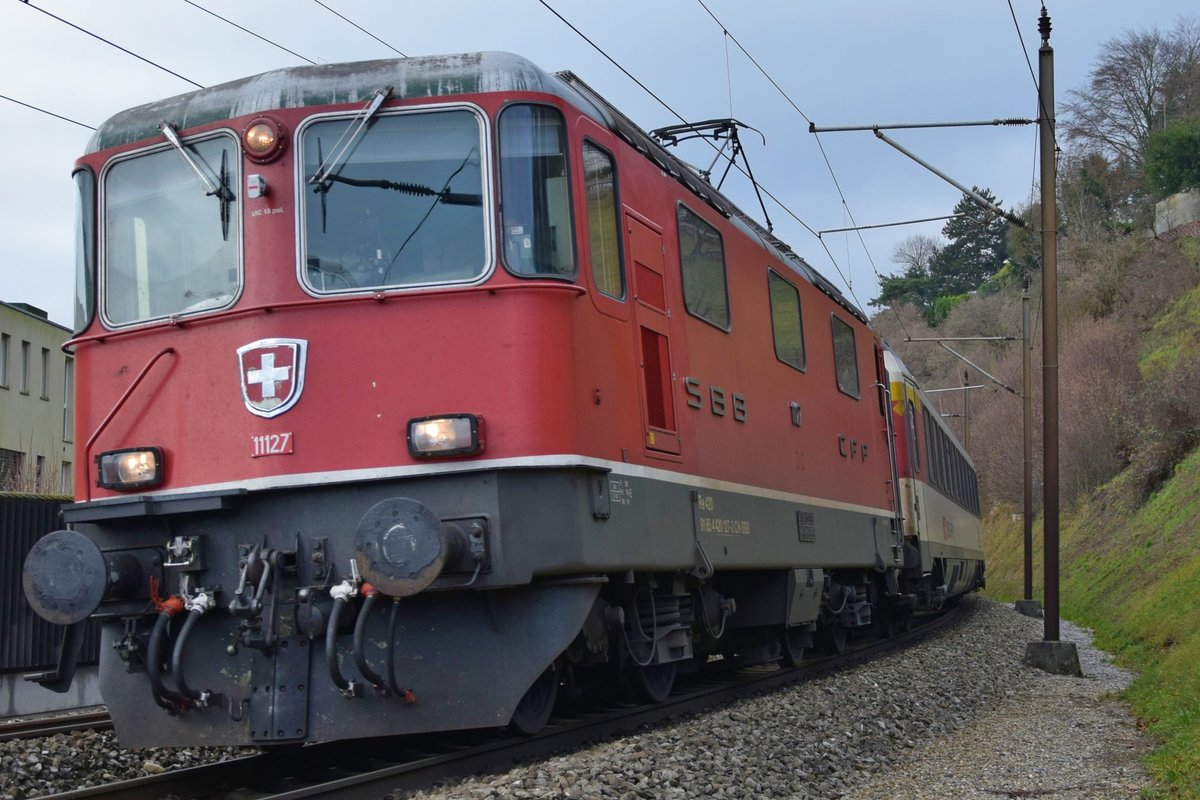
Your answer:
<point x="87" y="448"/>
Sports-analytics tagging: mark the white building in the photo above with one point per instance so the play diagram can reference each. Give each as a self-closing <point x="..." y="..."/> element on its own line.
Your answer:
<point x="36" y="402"/>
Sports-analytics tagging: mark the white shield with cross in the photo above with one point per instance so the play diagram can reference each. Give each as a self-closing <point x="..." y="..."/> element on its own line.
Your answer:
<point x="272" y="374"/>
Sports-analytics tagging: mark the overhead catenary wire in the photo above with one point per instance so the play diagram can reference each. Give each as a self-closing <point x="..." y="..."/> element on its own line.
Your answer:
<point x="361" y="28"/>
<point x="48" y="113"/>
<point x="825" y="157"/>
<point x="247" y="30"/>
<point x="110" y="43"/>
<point x="680" y="117"/>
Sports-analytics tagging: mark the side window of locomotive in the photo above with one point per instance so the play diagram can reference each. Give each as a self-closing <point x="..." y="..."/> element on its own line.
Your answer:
<point x="914" y="455"/>
<point x="535" y="205"/>
<point x="786" y="321"/>
<point x="702" y="260"/>
<point x="404" y="208"/>
<point x="604" y="234"/>
<point x="845" y="357"/>
<point x="170" y="247"/>
<point x="85" y="247"/>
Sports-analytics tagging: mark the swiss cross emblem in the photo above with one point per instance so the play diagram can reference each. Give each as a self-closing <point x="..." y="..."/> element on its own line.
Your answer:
<point x="272" y="374"/>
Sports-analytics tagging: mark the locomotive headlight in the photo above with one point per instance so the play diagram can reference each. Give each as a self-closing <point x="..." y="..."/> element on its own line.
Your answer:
<point x="135" y="468"/>
<point x="445" y="435"/>
<point x="263" y="139"/>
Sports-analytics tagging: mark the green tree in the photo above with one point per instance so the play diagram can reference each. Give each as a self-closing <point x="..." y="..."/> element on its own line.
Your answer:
<point x="915" y="285"/>
<point x="977" y="247"/>
<point x="1173" y="158"/>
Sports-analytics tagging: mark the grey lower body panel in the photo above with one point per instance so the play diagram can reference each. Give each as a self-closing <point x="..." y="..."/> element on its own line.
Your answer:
<point x="468" y="653"/>
<point x="467" y="657"/>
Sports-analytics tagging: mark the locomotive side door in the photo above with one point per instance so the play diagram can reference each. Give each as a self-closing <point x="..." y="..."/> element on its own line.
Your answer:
<point x="652" y="317"/>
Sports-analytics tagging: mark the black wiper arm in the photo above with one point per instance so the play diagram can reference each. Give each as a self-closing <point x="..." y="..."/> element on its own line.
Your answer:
<point x="219" y="190"/>
<point x="415" y="189"/>
<point x="356" y="126"/>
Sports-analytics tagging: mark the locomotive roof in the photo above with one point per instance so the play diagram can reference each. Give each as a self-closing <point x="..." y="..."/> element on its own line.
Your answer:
<point x="324" y="84"/>
<point x="428" y="76"/>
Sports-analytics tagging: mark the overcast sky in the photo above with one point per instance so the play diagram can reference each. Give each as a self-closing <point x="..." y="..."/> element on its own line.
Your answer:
<point x="841" y="61"/>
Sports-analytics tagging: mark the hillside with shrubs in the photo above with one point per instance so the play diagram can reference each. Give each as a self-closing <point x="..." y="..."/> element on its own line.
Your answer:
<point x="1129" y="372"/>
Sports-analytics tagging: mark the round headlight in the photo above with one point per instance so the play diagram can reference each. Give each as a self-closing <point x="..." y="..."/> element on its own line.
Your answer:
<point x="263" y="140"/>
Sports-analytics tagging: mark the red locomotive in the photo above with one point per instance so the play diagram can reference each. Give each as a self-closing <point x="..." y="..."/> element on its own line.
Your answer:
<point x="453" y="338"/>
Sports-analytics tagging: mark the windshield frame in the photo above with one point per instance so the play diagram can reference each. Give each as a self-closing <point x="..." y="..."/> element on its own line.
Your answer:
<point x="487" y="189"/>
<point x="236" y="227"/>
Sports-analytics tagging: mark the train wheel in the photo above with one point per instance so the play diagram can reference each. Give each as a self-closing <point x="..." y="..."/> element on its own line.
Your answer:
<point x="533" y="712"/>
<point x="654" y="683"/>
<point x="792" y="646"/>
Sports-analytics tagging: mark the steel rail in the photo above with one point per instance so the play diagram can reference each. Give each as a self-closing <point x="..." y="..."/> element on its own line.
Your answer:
<point x="48" y="726"/>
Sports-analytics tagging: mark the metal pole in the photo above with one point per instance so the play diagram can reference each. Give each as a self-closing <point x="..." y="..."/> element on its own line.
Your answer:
<point x="1049" y="329"/>
<point x="1027" y="426"/>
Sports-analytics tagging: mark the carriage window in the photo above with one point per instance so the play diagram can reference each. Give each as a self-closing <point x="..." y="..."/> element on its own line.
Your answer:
<point x="603" y="232"/>
<point x="785" y="321"/>
<point x="702" y="259"/>
<point x="404" y="208"/>
<point x="845" y="357"/>
<point x="535" y="202"/>
<point x="169" y="247"/>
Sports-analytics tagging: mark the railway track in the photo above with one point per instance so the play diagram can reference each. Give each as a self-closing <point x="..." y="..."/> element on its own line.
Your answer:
<point x="50" y="725"/>
<point x="372" y="768"/>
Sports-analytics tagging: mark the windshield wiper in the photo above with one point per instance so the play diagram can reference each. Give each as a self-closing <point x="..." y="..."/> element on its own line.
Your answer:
<point x="356" y="126"/>
<point x="220" y="191"/>
<point x="415" y="189"/>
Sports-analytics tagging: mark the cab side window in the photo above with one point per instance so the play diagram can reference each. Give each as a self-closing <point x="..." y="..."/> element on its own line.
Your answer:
<point x="604" y="233"/>
<point x="786" y="321"/>
<point x="702" y="259"/>
<point x="845" y="357"/>
<point x="536" y="203"/>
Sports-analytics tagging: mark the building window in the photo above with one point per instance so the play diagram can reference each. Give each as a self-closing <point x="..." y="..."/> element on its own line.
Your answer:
<point x="12" y="463"/>
<point x="604" y="234"/>
<point x="24" y="383"/>
<point x="64" y="480"/>
<point x="845" y="357"/>
<point x="3" y="360"/>
<point x="702" y="260"/>
<point x="535" y="200"/>
<point x="45" y="373"/>
<point x="786" y="321"/>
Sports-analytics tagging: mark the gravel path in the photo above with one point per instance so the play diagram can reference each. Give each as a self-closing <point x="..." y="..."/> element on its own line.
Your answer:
<point x="954" y="717"/>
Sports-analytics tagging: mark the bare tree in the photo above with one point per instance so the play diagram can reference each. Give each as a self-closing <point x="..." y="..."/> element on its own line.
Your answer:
<point x="1137" y="80"/>
<point x="915" y="253"/>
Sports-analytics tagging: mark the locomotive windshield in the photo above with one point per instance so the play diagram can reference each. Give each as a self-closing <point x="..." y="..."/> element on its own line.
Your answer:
<point x="404" y="208"/>
<point x="168" y="247"/>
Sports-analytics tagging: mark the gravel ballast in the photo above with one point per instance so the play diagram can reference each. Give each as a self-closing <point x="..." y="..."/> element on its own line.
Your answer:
<point x="957" y="716"/>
